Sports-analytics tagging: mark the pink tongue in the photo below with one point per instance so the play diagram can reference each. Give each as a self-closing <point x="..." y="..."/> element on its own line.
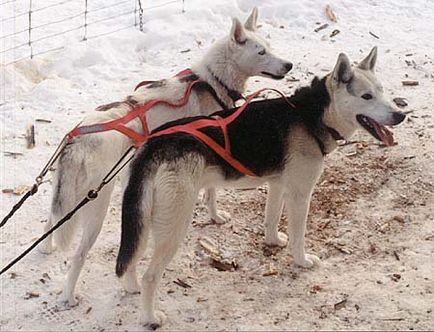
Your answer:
<point x="385" y="134"/>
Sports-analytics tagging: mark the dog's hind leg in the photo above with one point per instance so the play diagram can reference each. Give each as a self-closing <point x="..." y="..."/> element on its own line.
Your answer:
<point x="172" y="213"/>
<point x="46" y="247"/>
<point x="92" y="217"/>
<point x="211" y="202"/>
<point x="273" y="212"/>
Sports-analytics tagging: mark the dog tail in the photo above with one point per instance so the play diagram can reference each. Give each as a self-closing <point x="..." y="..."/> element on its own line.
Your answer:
<point x="64" y="198"/>
<point x="136" y="211"/>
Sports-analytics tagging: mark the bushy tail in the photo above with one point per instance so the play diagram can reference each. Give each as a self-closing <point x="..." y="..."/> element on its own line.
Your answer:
<point x="64" y="200"/>
<point x="134" y="211"/>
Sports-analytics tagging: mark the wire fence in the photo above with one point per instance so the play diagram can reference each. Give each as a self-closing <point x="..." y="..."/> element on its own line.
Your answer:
<point x="38" y="28"/>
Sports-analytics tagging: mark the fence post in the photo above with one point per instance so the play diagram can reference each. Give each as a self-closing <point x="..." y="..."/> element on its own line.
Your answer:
<point x="85" y="20"/>
<point x="140" y="15"/>
<point x="30" y="29"/>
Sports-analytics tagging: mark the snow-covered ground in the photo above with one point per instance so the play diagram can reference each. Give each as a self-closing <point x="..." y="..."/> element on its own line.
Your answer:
<point x="372" y="216"/>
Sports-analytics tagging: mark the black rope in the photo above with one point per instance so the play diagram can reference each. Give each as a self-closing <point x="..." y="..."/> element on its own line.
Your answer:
<point x="31" y="192"/>
<point x="91" y="195"/>
<point x="39" y="180"/>
<point x="43" y="237"/>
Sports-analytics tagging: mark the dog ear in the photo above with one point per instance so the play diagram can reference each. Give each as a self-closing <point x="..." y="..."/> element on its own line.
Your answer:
<point x="251" y="22"/>
<point x="368" y="63"/>
<point x="342" y="71"/>
<point x="237" y="32"/>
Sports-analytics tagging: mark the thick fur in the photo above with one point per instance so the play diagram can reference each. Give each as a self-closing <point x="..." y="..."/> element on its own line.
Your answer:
<point x="283" y="145"/>
<point x="83" y="164"/>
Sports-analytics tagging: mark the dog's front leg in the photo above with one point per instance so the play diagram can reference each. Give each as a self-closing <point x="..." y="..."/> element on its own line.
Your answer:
<point x="297" y="205"/>
<point x="211" y="202"/>
<point x="273" y="212"/>
<point x="298" y="192"/>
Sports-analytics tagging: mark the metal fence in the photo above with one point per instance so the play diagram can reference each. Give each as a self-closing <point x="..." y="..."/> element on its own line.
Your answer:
<point x="41" y="26"/>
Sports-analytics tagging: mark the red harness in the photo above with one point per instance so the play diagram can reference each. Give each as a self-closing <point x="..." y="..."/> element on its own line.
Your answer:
<point x="137" y="111"/>
<point x="193" y="127"/>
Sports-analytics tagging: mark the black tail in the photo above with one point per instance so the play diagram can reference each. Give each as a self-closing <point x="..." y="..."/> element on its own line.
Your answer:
<point x="132" y="214"/>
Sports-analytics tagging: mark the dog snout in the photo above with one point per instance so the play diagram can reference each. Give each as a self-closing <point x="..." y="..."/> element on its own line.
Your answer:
<point x="288" y="66"/>
<point x="398" y="117"/>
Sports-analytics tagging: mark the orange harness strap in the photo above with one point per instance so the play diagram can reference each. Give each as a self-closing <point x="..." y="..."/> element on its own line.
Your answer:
<point x="136" y="112"/>
<point x="193" y="127"/>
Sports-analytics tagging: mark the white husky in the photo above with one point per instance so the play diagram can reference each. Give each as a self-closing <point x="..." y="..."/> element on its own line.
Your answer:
<point x="224" y="71"/>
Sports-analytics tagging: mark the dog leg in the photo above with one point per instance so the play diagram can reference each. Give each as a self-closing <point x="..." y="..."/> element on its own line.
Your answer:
<point x="301" y="180"/>
<point x="297" y="208"/>
<point x="172" y="213"/>
<point x="46" y="247"/>
<point x="93" y="216"/>
<point x="273" y="212"/>
<point x="211" y="201"/>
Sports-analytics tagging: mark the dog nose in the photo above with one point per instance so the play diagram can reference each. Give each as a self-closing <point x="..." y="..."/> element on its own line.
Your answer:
<point x="288" y="66"/>
<point x="398" y="117"/>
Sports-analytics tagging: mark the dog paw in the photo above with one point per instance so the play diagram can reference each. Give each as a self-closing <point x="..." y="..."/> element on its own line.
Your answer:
<point x="221" y="218"/>
<point x="69" y="303"/>
<point x="154" y="321"/>
<point x="308" y="261"/>
<point x="46" y="248"/>
<point x="132" y="287"/>
<point x="281" y="240"/>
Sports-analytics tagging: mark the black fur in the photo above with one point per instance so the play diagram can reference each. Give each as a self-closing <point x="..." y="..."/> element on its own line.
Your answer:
<point x="132" y="217"/>
<point x="258" y="136"/>
<point x="258" y="140"/>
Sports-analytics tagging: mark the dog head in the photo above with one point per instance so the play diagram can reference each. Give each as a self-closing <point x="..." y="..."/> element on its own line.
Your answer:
<point x="358" y="99"/>
<point x="252" y="53"/>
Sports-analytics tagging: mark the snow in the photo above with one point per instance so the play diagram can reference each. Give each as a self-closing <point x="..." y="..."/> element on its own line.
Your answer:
<point x="63" y="85"/>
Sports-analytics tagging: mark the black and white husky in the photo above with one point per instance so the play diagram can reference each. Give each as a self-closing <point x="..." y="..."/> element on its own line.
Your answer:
<point x="83" y="164"/>
<point x="284" y="146"/>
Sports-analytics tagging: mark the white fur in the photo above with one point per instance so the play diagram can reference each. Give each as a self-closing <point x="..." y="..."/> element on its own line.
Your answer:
<point x="84" y="163"/>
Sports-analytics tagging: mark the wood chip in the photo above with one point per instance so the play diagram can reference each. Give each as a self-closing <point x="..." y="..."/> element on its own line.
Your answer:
<point x="271" y="271"/>
<point x="410" y="83"/>
<point x="31" y="295"/>
<point x="30" y="137"/>
<point x="209" y="246"/>
<point x="373" y="35"/>
<point x="13" y="154"/>
<point x="321" y="27"/>
<point x="181" y="283"/>
<point x="330" y="14"/>
<point x="334" y="33"/>
<point x="20" y="190"/>
<point x="399" y="219"/>
<point x="222" y="265"/>
<point x="88" y="310"/>
<point x="43" y="120"/>
<point x="395" y="277"/>
<point x="340" y="305"/>
<point x="401" y="102"/>
<point x="7" y="191"/>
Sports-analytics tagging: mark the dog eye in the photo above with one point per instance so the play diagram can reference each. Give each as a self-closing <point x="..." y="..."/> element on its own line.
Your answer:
<point x="367" y="96"/>
<point x="262" y="52"/>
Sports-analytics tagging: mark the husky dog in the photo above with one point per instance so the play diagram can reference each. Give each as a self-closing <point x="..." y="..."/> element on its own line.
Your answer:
<point x="82" y="165"/>
<point x="283" y="145"/>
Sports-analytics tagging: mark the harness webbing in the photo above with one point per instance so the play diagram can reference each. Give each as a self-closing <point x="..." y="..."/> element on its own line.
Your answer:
<point x="193" y="127"/>
<point x="137" y="111"/>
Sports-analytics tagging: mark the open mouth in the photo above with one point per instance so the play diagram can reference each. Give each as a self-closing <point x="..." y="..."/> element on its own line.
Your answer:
<point x="275" y="77"/>
<point x="380" y="132"/>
